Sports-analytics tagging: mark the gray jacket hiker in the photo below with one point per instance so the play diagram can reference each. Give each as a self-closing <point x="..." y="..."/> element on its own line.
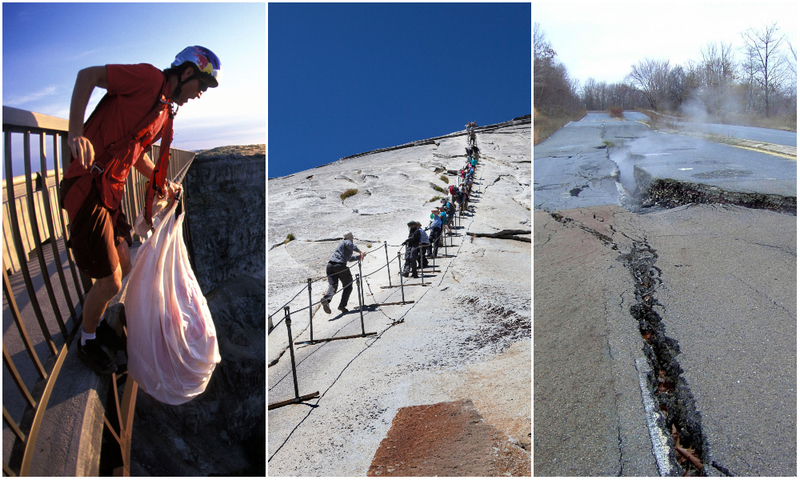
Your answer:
<point x="337" y="270"/>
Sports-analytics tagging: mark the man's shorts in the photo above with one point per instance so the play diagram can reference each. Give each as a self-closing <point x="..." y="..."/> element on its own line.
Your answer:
<point x="94" y="236"/>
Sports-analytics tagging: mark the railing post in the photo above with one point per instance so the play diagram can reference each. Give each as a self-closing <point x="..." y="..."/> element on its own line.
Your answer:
<point x="360" y="285"/>
<point x="310" y="314"/>
<point x="360" y="303"/>
<point x="291" y="350"/>
<point x="402" y="292"/>
<point x="297" y="398"/>
<point x="421" y="270"/>
<point x="388" y="270"/>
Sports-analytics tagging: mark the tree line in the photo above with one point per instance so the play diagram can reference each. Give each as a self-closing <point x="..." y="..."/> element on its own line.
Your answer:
<point x="762" y="84"/>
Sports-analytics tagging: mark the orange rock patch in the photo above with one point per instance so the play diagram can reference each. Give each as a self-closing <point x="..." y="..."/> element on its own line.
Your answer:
<point x="446" y="439"/>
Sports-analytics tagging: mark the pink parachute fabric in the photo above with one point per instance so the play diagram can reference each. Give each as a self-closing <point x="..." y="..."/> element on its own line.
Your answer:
<point x="172" y="341"/>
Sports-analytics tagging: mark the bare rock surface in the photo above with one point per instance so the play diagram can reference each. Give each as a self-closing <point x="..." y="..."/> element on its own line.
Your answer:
<point x="225" y="211"/>
<point x="464" y="335"/>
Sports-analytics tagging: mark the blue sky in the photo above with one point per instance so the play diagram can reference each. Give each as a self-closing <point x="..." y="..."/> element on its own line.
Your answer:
<point x="348" y="78"/>
<point x="46" y="44"/>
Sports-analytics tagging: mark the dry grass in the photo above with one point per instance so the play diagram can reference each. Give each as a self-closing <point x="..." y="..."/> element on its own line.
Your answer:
<point x="348" y="193"/>
<point x="615" y="112"/>
<point x="544" y="126"/>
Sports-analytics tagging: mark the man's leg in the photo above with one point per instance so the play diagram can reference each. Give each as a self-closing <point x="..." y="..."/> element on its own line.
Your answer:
<point x="102" y="291"/>
<point x="347" y="284"/>
<point x="333" y="284"/>
<point x="105" y="289"/>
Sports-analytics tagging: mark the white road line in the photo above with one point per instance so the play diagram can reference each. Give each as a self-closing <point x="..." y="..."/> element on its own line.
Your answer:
<point x="659" y="440"/>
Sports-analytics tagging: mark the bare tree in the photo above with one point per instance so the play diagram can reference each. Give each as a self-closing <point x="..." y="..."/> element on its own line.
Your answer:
<point x="543" y="58"/>
<point x="652" y="78"/>
<point x="601" y="96"/>
<point x="716" y="76"/>
<point x="554" y="93"/>
<point x="764" y="61"/>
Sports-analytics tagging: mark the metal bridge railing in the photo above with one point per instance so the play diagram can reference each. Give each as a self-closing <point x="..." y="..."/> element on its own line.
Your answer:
<point x="35" y="230"/>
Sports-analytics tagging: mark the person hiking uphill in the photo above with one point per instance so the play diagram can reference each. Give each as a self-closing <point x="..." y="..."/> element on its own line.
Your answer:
<point x="337" y="270"/>
<point x="436" y="231"/>
<point x="412" y="249"/>
<point x="424" y="245"/>
<point x="136" y="111"/>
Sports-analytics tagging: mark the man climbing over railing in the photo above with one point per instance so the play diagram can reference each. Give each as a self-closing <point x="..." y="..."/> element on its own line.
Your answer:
<point x="137" y="110"/>
<point x="337" y="270"/>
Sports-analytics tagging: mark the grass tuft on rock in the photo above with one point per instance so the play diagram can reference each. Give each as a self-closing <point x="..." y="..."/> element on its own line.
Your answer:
<point x="289" y="238"/>
<point x="445" y="179"/>
<point x="348" y="193"/>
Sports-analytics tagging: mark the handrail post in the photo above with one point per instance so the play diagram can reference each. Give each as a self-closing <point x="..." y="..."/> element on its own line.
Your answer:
<point x="360" y="303"/>
<point x="360" y="285"/>
<point x="402" y="292"/>
<point x="421" y="269"/>
<point x="310" y="314"/>
<point x="291" y="350"/>
<point x="388" y="270"/>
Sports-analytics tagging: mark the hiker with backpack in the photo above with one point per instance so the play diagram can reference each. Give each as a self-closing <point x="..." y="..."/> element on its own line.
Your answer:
<point x="424" y="245"/>
<point x="451" y="211"/>
<point x="136" y="111"/>
<point x="453" y="190"/>
<point x="436" y="231"/>
<point x="412" y="249"/>
<point x="464" y="197"/>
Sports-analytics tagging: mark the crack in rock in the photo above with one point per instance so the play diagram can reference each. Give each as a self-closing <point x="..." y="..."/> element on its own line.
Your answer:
<point x="505" y="234"/>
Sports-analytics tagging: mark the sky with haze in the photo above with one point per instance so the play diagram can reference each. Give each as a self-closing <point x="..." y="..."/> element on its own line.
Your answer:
<point x="602" y="40"/>
<point x="46" y="44"/>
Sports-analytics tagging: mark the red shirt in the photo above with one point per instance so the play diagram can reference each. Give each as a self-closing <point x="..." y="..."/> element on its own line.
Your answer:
<point x="133" y="91"/>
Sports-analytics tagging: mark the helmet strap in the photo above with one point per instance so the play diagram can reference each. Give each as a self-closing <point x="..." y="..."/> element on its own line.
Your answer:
<point x="176" y="93"/>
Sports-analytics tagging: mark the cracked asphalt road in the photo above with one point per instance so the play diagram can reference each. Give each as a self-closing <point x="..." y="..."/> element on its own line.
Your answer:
<point x="586" y="162"/>
<point x="728" y="298"/>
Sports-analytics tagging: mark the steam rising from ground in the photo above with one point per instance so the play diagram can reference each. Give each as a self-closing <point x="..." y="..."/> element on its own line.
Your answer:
<point x="625" y="162"/>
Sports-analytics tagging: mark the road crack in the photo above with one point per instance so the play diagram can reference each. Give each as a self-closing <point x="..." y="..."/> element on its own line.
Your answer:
<point x="667" y="385"/>
<point x="668" y="193"/>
